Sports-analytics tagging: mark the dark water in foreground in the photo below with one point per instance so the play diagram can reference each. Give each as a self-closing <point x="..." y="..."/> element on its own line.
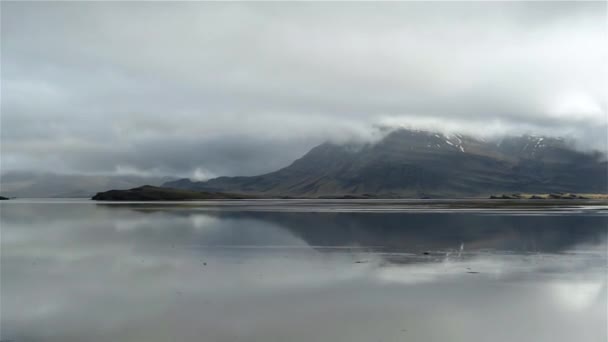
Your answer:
<point x="81" y="271"/>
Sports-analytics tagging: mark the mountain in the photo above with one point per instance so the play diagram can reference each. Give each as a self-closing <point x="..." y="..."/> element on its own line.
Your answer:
<point x="34" y="184"/>
<point x="409" y="163"/>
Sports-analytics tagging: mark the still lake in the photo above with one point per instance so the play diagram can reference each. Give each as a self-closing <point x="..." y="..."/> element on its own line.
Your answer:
<point x="77" y="270"/>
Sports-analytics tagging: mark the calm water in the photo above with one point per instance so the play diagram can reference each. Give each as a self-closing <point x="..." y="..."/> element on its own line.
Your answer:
<point x="270" y="271"/>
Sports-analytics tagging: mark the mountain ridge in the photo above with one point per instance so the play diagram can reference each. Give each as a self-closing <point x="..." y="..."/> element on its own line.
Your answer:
<point x="411" y="163"/>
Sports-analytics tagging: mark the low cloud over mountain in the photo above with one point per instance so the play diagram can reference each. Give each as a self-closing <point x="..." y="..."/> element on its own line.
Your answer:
<point x="410" y="163"/>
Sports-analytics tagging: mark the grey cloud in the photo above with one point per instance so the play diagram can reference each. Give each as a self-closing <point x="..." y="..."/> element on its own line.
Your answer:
<point x="244" y="88"/>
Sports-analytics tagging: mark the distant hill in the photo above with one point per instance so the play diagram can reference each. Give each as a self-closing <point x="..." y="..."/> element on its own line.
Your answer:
<point x="408" y="163"/>
<point x="34" y="184"/>
<point x="154" y="193"/>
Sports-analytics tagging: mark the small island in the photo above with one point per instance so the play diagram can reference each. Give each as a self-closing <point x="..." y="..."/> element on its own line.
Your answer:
<point x="2" y="198"/>
<point x="154" y="193"/>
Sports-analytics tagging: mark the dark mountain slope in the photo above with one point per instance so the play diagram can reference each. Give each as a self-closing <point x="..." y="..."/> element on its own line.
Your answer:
<point x="154" y="193"/>
<point x="415" y="163"/>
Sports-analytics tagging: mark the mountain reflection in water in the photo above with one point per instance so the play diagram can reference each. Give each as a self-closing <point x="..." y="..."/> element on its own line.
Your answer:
<point x="86" y="272"/>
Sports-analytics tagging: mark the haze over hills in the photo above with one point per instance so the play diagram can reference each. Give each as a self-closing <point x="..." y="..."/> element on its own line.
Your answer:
<point x="411" y="163"/>
<point x="44" y="184"/>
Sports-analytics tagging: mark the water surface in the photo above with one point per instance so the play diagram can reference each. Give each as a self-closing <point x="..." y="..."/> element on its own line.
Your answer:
<point x="301" y="271"/>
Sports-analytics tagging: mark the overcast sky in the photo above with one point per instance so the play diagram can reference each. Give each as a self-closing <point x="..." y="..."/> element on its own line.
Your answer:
<point x="205" y="89"/>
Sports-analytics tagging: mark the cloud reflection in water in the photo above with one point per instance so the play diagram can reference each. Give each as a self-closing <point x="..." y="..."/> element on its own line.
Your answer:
<point x="74" y="272"/>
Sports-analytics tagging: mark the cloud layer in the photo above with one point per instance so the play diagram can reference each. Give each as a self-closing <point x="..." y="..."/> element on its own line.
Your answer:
<point x="204" y="89"/>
